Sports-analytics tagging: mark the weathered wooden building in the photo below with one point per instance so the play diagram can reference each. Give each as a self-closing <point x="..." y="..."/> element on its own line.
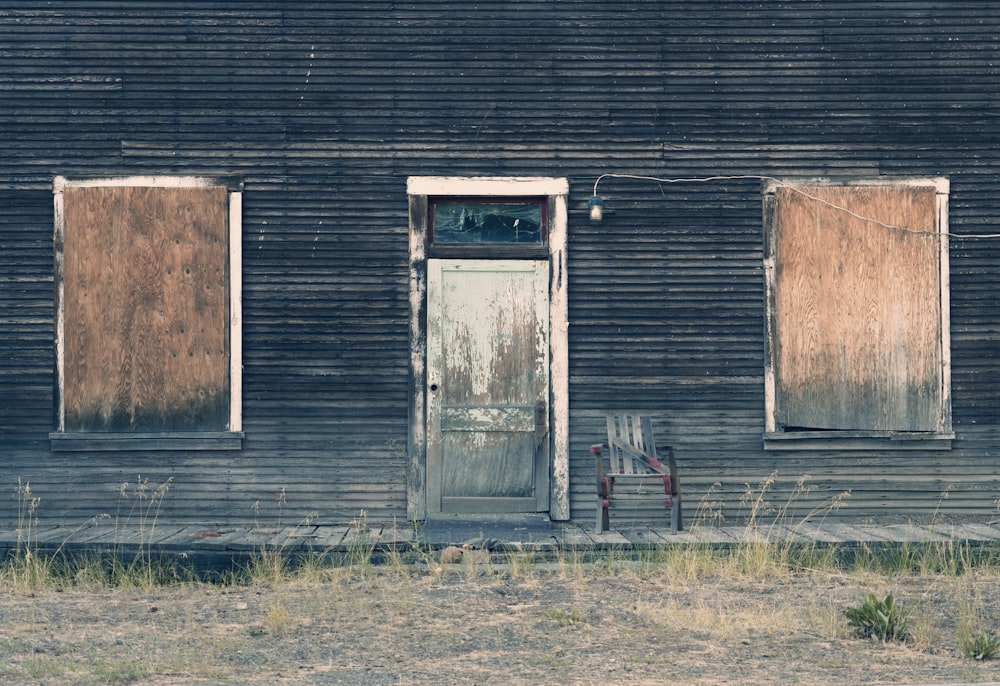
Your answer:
<point x="331" y="257"/>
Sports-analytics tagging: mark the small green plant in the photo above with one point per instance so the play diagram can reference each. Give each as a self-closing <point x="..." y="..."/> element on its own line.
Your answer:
<point x="981" y="646"/>
<point x="881" y="619"/>
<point x="972" y="640"/>
<point x="573" y="617"/>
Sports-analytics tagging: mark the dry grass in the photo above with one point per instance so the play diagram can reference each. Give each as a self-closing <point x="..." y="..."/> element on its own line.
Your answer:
<point x="686" y="617"/>
<point x="754" y="613"/>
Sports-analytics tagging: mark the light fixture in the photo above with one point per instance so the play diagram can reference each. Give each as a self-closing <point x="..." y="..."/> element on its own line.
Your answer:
<point x="596" y="207"/>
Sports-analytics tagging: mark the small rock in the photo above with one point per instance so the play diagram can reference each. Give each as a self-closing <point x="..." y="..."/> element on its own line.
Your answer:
<point x="451" y="555"/>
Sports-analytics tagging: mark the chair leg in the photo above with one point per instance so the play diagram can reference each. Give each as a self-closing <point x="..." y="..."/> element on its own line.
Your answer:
<point x="603" y="524"/>
<point x="676" y="524"/>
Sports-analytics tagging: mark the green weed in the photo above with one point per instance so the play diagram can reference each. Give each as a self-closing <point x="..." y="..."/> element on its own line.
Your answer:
<point x="980" y="646"/>
<point x="882" y="619"/>
<point x="567" y="618"/>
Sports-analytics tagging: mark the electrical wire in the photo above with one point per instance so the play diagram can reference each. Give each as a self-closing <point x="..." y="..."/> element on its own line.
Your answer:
<point x="794" y="189"/>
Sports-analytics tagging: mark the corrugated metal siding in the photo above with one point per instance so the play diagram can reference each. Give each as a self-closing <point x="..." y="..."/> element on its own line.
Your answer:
<point x="325" y="108"/>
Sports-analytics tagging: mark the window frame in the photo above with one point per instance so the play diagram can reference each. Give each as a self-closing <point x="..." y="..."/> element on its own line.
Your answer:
<point x="229" y="439"/>
<point x="776" y="437"/>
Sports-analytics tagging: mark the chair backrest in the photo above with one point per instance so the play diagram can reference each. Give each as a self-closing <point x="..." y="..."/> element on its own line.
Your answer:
<point x="635" y="432"/>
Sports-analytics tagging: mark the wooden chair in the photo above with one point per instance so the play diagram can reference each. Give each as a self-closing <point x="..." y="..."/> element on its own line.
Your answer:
<point x="636" y="472"/>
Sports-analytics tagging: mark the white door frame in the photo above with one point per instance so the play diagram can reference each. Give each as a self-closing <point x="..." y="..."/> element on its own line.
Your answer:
<point x="419" y="189"/>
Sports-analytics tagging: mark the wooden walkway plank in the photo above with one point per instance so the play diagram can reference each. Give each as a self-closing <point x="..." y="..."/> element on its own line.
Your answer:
<point x="98" y="534"/>
<point x="819" y="534"/>
<point x="49" y="536"/>
<point x="220" y="543"/>
<point x="329" y="537"/>
<point x="961" y="532"/>
<point x="909" y="533"/>
<point x="360" y="538"/>
<point x="992" y="529"/>
<point x="574" y="538"/>
<point x="772" y="533"/>
<point x="858" y="534"/>
<point x="74" y="537"/>
<point x="282" y="538"/>
<point x="711" y="535"/>
<point x="648" y="537"/>
<point x="789" y="533"/>
<point x="544" y="545"/>
<point x="396" y="536"/>
<point x="112" y="535"/>
<point x="608" y="539"/>
<point x="40" y="536"/>
<point x="200" y="538"/>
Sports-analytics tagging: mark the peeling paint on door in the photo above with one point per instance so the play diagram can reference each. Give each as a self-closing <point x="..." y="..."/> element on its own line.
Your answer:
<point x="487" y="378"/>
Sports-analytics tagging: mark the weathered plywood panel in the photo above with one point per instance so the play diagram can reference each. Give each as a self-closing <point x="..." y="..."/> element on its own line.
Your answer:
<point x="146" y="308"/>
<point x="857" y="308"/>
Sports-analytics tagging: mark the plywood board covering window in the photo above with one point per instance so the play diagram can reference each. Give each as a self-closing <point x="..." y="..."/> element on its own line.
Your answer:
<point x="146" y="300"/>
<point x="856" y="310"/>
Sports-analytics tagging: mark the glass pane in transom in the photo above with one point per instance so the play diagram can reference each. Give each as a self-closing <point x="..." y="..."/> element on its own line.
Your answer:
<point x="468" y="221"/>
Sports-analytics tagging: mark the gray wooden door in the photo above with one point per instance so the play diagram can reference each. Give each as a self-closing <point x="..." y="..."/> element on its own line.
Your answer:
<point x="488" y="386"/>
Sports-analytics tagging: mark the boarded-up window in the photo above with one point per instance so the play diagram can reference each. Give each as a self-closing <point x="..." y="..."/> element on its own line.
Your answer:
<point x="146" y="308"/>
<point x="857" y="309"/>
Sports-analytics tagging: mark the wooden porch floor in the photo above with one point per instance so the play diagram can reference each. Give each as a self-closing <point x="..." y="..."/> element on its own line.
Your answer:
<point x="207" y="547"/>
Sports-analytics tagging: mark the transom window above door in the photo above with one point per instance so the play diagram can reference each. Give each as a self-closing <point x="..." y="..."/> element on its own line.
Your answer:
<point x="487" y="221"/>
<point x="485" y="217"/>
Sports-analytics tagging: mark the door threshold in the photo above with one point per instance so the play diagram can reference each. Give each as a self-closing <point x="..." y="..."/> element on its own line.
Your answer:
<point x="499" y="517"/>
<point x="476" y="530"/>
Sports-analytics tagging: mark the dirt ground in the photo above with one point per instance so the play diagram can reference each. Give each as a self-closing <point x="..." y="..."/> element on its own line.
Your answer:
<point x="496" y="624"/>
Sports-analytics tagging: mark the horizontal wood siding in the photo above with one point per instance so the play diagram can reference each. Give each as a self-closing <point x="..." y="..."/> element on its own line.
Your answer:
<point x="324" y="109"/>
